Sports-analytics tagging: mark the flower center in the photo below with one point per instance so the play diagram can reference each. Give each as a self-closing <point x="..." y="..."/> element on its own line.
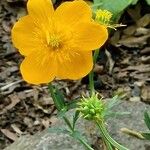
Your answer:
<point x="53" y="41"/>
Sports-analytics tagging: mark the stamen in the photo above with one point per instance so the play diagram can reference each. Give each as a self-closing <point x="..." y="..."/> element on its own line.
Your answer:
<point x="53" y="41"/>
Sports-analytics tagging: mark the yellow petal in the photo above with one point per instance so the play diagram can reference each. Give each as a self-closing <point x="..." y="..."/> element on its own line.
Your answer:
<point x="26" y="36"/>
<point x="75" y="66"/>
<point x="89" y="36"/>
<point x="40" y="10"/>
<point x="38" y="68"/>
<point x="71" y="13"/>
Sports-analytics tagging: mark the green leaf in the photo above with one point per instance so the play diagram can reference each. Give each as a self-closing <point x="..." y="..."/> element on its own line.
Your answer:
<point x="58" y="130"/>
<point x="68" y="123"/>
<point x="134" y="2"/>
<point x="148" y="2"/>
<point x="62" y="112"/>
<point x="116" y="114"/>
<point x="110" y="103"/>
<point x="107" y="137"/>
<point x="77" y="135"/>
<point x="147" y="119"/>
<point x="114" y="6"/>
<point x="146" y="135"/>
<point x="60" y="98"/>
<point x="57" y="96"/>
<point x="72" y="104"/>
<point x="75" y="118"/>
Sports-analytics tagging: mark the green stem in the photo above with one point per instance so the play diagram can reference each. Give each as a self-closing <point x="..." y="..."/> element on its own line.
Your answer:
<point x="108" y="138"/>
<point x="91" y="74"/>
<point x="51" y="90"/>
<point x="73" y="130"/>
<point x="68" y="123"/>
<point x="85" y="144"/>
<point x="108" y="145"/>
<point x="56" y="102"/>
<point x="96" y="53"/>
<point x="91" y="82"/>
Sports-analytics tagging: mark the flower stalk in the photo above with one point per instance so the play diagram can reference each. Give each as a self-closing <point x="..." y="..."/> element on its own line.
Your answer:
<point x="96" y="110"/>
<point x="59" y="103"/>
<point x="57" y="98"/>
<point x="108" y="138"/>
<point x="91" y="74"/>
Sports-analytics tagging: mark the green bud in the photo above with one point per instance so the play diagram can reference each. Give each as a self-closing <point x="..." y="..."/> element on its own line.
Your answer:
<point x="104" y="17"/>
<point x="91" y="108"/>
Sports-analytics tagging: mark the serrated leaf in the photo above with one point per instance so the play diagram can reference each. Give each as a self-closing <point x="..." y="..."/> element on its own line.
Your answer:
<point x="57" y="96"/>
<point x="60" y="98"/>
<point x="75" y="118"/>
<point x="58" y="130"/>
<point x="110" y="103"/>
<point x="77" y="135"/>
<point x="115" y="114"/>
<point x="62" y="112"/>
<point x="146" y="135"/>
<point x="147" y="119"/>
<point x="72" y="104"/>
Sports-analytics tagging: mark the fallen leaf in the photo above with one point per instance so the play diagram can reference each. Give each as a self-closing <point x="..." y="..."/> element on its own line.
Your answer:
<point x="14" y="100"/>
<point x="46" y="123"/>
<point x="130" y="30"/>
<point x="110" y="61"/>
<point x="28" y="121"/>
<point x="141" y="31"/>
<point x="98" y="68"/>
<point x="146" y="50"/>
<point x="145" y="59"/>
<point x="140" y="68"/>
<point x="9" y="134"/>
<point x="145" y="94"/>
<point x="144" y="21"/>
<point x="135" y="99"/>
<point x="133" y="42"/>
<point x="16" y="129"/>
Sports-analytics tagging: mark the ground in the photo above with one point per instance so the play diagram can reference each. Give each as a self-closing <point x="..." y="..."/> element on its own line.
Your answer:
<point x="124" y="66"/>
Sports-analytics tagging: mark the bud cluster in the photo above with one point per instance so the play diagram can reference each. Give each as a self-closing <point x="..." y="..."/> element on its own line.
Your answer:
<point x="91" y="108"/>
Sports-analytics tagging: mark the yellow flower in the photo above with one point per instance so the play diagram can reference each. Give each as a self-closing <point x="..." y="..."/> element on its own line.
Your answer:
<point x="57" y="43"/>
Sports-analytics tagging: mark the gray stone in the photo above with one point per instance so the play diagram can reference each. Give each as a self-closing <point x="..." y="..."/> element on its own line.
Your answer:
<point x="52" y="141"/>
<point x="46" y="141"/>
<point x="134" y="121"/>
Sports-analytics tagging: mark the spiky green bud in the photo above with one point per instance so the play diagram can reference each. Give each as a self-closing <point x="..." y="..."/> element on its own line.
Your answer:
<point x="91" y="108"/>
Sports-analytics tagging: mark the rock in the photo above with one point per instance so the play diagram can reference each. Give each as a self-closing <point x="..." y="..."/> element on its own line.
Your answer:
<point x="145" y="94"/>
<point x="52" y="141"/>
<point x="134" y="121"/>
<point x="135" y="99"/>
<point x="46" y="141"/>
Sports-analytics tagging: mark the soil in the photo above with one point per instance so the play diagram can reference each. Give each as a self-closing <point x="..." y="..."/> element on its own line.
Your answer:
<point x="123" y="66"/>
